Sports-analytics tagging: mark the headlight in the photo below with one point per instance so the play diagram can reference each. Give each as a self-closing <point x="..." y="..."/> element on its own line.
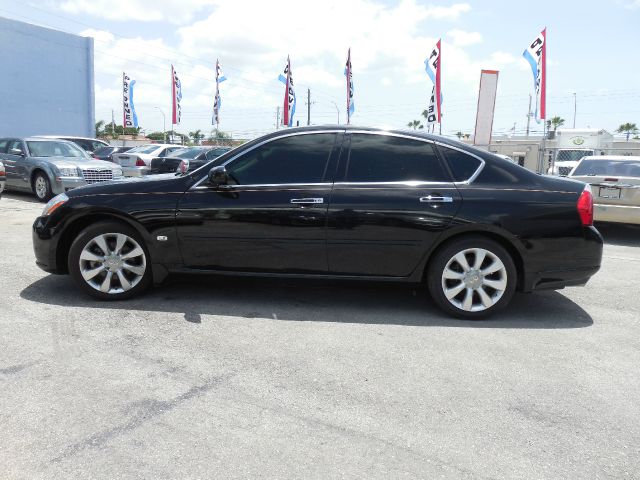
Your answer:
<point x="68" y="172"/>
<point x="117" y="173"/>
<point x="54" y="203"/>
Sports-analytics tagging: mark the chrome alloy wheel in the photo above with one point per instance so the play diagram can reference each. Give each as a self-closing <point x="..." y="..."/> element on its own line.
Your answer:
<point x="474" y="280"/>
<point x="41" y="186"/>
<point x="112" y="263"/>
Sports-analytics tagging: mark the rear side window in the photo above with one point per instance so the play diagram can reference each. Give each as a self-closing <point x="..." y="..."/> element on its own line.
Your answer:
<point x="462" y="166"/>
<point x="3" y="146"/>
<point x="384" y="158"/>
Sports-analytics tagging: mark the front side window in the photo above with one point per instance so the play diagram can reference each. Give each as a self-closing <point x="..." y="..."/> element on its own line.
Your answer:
<point x="462" y="165"/>
<point x="297" y="159"/>
<point x="385" y="158"/>
<point x="14" y="144"/>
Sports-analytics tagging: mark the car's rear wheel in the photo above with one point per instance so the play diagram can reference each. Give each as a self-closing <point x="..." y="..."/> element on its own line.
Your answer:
<point x="109" y="261"/>
<point x="42" y="187"/>
<point x="472" y="277"/>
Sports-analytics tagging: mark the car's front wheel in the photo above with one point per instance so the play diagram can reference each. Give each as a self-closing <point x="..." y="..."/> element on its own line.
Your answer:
<point x="109" y="261"/>
<point x="472" y="277"/>
<point x="42" y="187"/>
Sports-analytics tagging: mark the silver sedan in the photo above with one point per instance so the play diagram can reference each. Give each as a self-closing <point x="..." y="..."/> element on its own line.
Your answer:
<point x="48" y="167"/>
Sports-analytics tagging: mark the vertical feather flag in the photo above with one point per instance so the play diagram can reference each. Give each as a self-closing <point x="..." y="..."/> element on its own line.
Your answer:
<point x="536" y="55"/>
<point x="176" y="97"/>
<point x="289" y="106"/>
<point x="129" y="116"/>
<point x="434" y="66"/>
<point x="349" y="74"/>
<point x="217" y="101"/>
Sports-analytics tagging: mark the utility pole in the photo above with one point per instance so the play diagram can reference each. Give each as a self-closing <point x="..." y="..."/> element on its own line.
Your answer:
<point x="575" y="107"/>
<point x="337" y="111"/>
<point x="308" y="106"/>
<point x="529" y="116"/>
<point x="278" y="118"/>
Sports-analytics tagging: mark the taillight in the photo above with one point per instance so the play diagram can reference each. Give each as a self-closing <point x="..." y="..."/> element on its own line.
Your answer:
<point x="585" y="206"/>
<point x="183" y="167"/>
<point x="140" y="163"/>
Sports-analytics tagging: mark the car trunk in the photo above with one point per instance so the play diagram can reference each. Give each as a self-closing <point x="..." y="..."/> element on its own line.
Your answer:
<point x="165" y="165"/>
<point x="613" y="190"/>
<point x="125" y="160"/>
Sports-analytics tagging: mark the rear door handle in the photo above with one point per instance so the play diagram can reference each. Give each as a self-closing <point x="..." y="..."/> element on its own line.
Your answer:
<point x="306" y="201"/>
<point x="436" y="199"/>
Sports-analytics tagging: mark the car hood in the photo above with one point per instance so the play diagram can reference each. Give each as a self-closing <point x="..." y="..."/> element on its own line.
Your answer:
<point x="72" y="162"/>
<point x="166" y="182"/>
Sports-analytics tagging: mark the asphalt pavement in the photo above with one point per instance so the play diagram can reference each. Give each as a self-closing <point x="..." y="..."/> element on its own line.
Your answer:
<point x="260" y="378"/>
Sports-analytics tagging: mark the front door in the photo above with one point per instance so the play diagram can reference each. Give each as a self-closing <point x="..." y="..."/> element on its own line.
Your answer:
<point x="272" y="215"/>
<point x="391" y="201"/>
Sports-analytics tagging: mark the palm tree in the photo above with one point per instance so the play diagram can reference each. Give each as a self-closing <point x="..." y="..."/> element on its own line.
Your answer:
<point x="459" y="135"/>
<point x="557" y="122"/>
<point x="197" y="136"/>
<point x="99" y="129"/>
<point x="628" y="128"/>
<point x="415" y="124"/>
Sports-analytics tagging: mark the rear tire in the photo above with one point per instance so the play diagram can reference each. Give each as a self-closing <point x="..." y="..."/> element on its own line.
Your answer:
<point x="42" y="187"/>
<point x="109" y="261"/>
<point x="472" y="277"/>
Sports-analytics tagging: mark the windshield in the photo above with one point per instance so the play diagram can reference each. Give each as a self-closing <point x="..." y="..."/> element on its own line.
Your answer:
<point x="187" y="153"/>
<point x="54" y="148"/>
<point x="144" y="149"/>
<point x="572" y="155"/>
<point x="617" y="168"/>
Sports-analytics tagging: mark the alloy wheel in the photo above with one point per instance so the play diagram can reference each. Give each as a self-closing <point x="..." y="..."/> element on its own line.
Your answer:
<point x="474" y="280"/>
<point x="112" y="263"/>
<point x="41" y="186"/>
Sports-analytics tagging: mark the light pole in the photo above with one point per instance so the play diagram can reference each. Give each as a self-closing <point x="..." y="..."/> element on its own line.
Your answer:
<point x="575" y="107"/>
<point x="337" y="110"/>
<point x="164" y="128"/>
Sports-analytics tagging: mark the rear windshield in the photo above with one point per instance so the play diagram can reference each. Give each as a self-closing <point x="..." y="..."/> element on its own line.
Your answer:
<point x="104" y="151"/>
<point x="187" y="153"/>
<point x="144" y="149"/>
<point x="618" y="168"/>
<point x="53" y="148"/>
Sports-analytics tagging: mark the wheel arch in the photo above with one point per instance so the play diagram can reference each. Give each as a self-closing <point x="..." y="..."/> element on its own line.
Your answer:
<point x="503" y="238"/>
<point x="76" y="225"/>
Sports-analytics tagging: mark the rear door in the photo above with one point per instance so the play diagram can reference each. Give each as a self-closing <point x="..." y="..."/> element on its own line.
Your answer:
<point x="393" y="199"/>
<point x="16" y="166"/>
<point x="272" y="217"/>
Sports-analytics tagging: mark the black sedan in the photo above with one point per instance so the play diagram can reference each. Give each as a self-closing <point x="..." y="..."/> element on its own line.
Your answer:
<point x="186" y="159"/>
<point x="333" y="202"/>
<point x="106" y="153"/>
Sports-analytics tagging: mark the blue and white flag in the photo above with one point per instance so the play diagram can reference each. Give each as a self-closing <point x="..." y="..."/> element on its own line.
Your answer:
<point x="217" y="101"/>
<point x="129" y="116"/>
<point x="289" y="105"/>
<point x="433" y="66"/>
<point x="348" y="73"/>
<point x="536" y="55"/>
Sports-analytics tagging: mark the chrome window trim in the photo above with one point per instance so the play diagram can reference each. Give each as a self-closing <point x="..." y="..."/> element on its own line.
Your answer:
<point x="269" y="140"/>
<point x="478" y="170"/>
<point x="261" y="186"/>
<point x="406" y="183"/>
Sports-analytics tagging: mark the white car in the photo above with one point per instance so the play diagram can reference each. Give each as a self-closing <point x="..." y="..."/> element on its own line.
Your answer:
<point x="137" y="161"/>
<point x="2" y="178"/>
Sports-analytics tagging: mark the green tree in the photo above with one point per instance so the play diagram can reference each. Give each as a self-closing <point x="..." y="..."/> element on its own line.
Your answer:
<point x="156" y="136"/>
<point x="415" y="124"/>
<point x="196" y="136"/>
<point x="100" y="131"/>
<point x="557" y="122"/>
<point x="220" y="137"/>
<point x="628" y="128"/>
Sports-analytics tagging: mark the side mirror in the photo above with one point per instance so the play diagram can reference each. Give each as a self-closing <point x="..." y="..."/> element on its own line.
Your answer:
<point x="16" y="151"/>
<point x="218" y="176"/>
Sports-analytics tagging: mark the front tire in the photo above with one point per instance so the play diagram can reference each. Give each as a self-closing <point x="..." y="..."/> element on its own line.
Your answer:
<point x="472" y="277"/>
<point x="42" y="187"/>
<point x="109" y="261"/>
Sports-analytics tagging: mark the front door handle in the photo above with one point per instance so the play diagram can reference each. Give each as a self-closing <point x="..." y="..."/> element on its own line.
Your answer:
<point x="307" y="201"/>
<point x="436" y="199"/>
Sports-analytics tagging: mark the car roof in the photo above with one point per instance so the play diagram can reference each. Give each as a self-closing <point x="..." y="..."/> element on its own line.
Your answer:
<point x="612" y="157"/>
<point x="69" y="137"/>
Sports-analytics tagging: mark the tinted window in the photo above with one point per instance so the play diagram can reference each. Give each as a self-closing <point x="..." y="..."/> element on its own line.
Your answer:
<point x="3" y="145"/>
<point x="383" y="158"/>
<point x="297" y="159"/>
<point x="216" y="152"/>
<point x="462" y="166"/>
<point x="14" y="144"/>
<point x="618" y="168"/>
<point x="104" y="151"/>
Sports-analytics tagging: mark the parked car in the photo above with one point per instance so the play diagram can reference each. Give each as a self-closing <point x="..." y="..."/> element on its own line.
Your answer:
<point x="106" y="153"/>
<point x="2" y="178"/>
<point x="334" y="202"/>
<point x="48" y="166"/>
<point x="89" y="145"/>
<point x="137" y="161"/>
<point x="615" y="181"/>
<point x="186" y="159"/>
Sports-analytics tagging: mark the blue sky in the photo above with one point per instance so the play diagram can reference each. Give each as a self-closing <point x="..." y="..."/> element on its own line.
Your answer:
<point x="591" y="49"/>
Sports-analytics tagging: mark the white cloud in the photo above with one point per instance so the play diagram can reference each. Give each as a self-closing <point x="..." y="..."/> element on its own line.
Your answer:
<point x="461" y="38"/>
<point x="386" y="81"/>
<point x="173" y="11"/>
